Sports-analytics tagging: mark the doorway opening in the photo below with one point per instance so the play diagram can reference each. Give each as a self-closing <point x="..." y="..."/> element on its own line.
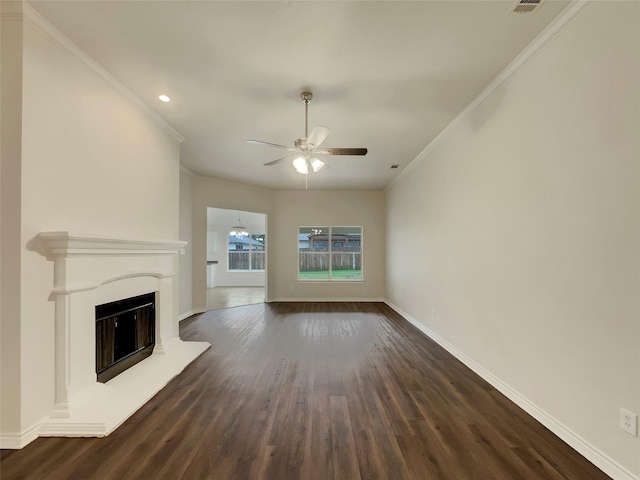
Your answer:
<point x="236" y="258"/>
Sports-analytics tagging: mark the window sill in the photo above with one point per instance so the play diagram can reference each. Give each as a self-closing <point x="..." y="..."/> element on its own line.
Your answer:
<point x="330" y="280"/>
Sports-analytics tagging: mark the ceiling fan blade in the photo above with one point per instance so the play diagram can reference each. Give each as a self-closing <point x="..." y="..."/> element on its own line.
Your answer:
<point x="342" y="151"/>
<point x="275" y="145"/>
<point x="317" y="135"/>
<point x="276" y="161"/>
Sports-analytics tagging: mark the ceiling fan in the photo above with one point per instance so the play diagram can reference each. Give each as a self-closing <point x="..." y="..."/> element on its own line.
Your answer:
<point x="306" y="150"/>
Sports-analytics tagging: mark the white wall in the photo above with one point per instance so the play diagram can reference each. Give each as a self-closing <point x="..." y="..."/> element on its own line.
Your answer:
<point x="185" y="262"/>
<point x="524" y="247"/>
<point x="331" y="208"/>
<point x="92" y="163"/>
<point x="10" y="195"/>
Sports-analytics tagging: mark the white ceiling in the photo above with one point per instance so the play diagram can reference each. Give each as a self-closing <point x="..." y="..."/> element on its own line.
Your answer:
<point x="386" y="75"/>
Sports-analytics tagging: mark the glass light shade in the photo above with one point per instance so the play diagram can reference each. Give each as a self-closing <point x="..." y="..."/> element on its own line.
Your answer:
<point x="305" y="165"/>
<point x="300" y="164"/>
<point x="317" y="164"/>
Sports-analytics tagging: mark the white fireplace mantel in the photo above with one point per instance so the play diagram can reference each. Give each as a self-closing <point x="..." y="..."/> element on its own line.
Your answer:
<point x="90" y="270"/>
<point x="68" y="244"/>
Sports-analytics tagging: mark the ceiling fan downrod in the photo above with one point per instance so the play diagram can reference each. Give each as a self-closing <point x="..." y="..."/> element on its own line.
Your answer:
<point x="306" y="98"/>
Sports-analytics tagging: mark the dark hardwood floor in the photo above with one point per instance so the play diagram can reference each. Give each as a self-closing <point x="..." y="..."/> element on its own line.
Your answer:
<point x="314" y="391"/>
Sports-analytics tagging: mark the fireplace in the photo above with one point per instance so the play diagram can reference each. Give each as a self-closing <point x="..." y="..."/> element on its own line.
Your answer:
<point x="125" y="334"/>
<point x="99" y="281"/>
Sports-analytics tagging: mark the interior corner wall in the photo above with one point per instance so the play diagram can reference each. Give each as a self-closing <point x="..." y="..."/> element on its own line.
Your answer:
<point x="212" y="192"/>
<point x="298" y="208"/>
<point x="92" y="163"/>
<point x="185" y="262"/>
<point x="516" y="239"/>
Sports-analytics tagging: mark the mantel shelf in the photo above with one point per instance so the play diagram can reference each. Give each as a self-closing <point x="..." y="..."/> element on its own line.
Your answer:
<point x="67" y="244"/>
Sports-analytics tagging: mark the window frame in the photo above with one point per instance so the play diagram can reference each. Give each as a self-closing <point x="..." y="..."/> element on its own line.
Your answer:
<point x="329" y="252"/>
<point x="250" y="251"/>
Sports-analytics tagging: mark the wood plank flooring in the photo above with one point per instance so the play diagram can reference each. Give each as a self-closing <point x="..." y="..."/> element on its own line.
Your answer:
<point x="313" y="391"/>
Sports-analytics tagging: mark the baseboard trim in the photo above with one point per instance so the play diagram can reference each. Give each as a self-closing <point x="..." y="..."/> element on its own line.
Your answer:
<point x="186" y="314"/>
<point x="328" y="299"/>
<point x="575" y="441"/>
<point x="190" y="313"/>
<point x="16" y="441"/>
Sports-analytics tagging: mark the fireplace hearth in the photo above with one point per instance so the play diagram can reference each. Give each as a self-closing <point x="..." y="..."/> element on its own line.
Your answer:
<point x="125" y="334"/>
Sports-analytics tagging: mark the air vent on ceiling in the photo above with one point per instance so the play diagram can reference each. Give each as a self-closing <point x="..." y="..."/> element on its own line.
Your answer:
<point x="526" y="6"/>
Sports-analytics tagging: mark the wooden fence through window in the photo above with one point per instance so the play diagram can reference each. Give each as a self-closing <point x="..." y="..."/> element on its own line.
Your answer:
<point x="240" y="260"/>
<point x="318" y="262"/>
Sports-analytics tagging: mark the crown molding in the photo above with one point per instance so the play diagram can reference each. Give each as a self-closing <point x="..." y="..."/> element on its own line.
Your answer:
<point x="42" y="25"/>
<point x="548" y="35"/>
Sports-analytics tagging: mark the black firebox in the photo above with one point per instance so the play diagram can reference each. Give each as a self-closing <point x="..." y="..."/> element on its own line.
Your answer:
<point x="125" y="334"/>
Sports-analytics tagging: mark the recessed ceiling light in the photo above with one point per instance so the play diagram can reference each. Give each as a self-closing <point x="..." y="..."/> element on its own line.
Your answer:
<point x="164" y="98"/>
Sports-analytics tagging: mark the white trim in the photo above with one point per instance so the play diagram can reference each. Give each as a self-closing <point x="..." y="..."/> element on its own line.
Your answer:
<point x="42" y="25"/>
<point x="16" y="441"/>
<point x="329" y="280"/>
<point x="327" y="299"/>
<point x="191" y="313"/>
<point x="575" y="441"/>
<point x="70" y="244"/>
<point x="550" y="33"/>
<point x="186" y="315"/>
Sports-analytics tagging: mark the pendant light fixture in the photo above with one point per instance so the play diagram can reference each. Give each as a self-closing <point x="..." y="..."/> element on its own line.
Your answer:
<point x="238" y="230"/>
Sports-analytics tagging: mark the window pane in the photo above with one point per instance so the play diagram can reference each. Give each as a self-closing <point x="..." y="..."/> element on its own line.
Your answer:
<point x="239" y="253"/>
<point x="258" y="242"/>
<point x="313" y="252"/>
<point x="258" y="251"/>
<point x="346" y="253"/>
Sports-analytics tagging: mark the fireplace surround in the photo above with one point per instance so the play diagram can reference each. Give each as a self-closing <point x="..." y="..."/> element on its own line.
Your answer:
<point x="94" y="270"/>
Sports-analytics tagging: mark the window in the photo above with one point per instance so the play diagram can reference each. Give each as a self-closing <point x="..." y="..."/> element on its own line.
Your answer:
<point x="330" y="253"/>
<point x="246" y="253"/>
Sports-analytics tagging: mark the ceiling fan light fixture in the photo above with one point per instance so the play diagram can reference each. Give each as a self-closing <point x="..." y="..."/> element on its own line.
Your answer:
<point x="307" y="147"/>
<point x="305" y="166"/>
<point x="317" y="164"/>
<point x="300" y="164"/>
